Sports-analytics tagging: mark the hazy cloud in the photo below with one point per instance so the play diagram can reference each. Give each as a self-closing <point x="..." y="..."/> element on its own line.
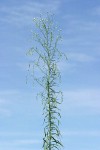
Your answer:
<point x="22" y="15"/>
<point x="81" y="57"/>
<point x="81" y="133"/>
<point x="88" y="99"/>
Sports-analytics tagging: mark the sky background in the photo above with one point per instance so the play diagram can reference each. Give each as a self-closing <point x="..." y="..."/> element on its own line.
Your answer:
<point x="21" y="120"/>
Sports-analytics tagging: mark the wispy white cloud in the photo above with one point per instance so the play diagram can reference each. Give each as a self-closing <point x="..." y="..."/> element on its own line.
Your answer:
<point x="21" y="134"/>
<point x="82" y="133"/>
<point x="23" y="66"/>
<point x="12" y="102"/>
<point x="84" y="99"/>
<point x="20" y="138"/>
<point x="5" y="96"/>
<point x="5" y="112"/>
<point x="74" y="60"/>
<point x="20" y="142"/>
<point x="81" y="32"/>
<point x="81" y="57"/>
<point x="96" y="11"/>
<point x="23" y="14"/>
<point x="27" y="141"/>
<point x="8" y="92"/>
<point x="77" y="23"/>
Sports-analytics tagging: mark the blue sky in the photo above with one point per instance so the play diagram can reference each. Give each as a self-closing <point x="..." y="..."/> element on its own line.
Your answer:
<point x="21" y="126"/>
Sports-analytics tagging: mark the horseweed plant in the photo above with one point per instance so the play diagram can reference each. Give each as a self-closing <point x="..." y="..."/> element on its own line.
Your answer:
<point x="45" y="59"/>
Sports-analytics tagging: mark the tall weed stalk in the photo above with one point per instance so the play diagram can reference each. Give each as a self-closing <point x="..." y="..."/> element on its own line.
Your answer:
<point x="45" y="57"/>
